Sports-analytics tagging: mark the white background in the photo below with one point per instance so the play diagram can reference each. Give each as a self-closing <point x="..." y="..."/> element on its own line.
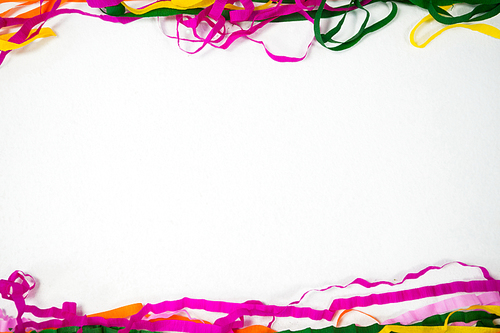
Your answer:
<point x="133" y="172"/>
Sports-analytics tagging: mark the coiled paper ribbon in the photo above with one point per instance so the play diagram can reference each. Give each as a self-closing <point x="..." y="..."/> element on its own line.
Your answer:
<point x="166" y="316"/>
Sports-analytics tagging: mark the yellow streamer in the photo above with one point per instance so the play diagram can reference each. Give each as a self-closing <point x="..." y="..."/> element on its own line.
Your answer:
<point x="188" y="4"/>
<point x="5" y="45"/>
<point x="175" y="4"/>
<point x="479" y="27"/>
<point x="261" y="7"/>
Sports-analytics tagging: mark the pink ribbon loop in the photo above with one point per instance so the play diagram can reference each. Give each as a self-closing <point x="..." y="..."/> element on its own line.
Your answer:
<point x="17" y="284"/>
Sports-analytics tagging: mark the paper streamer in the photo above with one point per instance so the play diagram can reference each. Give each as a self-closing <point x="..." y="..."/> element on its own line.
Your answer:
<point x="245" y="16"/>
<point x="480" y="305"/>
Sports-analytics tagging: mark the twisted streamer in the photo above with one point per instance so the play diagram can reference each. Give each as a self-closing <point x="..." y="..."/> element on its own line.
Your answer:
<point x="219" y="14"/>
<point x="167" y="315"/>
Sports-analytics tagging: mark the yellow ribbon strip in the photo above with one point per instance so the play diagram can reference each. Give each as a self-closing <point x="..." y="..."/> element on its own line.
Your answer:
<point x="5" y="45"/>
<point x="261" y="7"/>
<point x="479" y="27"/>
<point x="174" y="4"/>
<point x="494" y="309"/>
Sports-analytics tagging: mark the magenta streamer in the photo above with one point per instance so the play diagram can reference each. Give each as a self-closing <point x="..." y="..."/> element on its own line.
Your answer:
<point x="24" y="33"/>
<point x="18" y="285"/>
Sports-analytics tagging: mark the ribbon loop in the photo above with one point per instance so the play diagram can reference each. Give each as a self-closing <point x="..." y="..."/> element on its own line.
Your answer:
<point x="17" y="284"/>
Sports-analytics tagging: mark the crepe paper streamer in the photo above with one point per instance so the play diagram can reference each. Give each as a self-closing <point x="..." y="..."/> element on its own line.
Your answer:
<point x="268" y="4"/>
<point x="121" y="312"/>
<point x="5" y="45"/>
<point x="15" y="289"/>
<point x="489" y="308"/>
<point x="445" y="327"/>
<point x="231" y="38"/>
<point x="412" y="294"/>
<point x="447" y="305"/>
<point x="130" y="310"/>
<point x="259" y="14"/>
<point x="255" y="329"/>
<point x="233" y="310"/>
<point x="482" y="28"/>
<point x="478" y="316"/>
<point x="105" y="329"/>
<point x="437" y="320"/>
<point x="44" y="7"/>
<point x="343" y="313"/>
<point x="171" y="5"/>
<point x="26" y="32"/>
<point x="279" y="13"/>
<point x="183" y="5"/>
<point x="177" y="317"/>
<point x="266" y="16"/>
<point x="12" y="290"/>
<point x="120" y="11"/>
<point x="323" y="39"/>
<point x="438" y="329"/>
<point x="375" y="328"/>
<point x="217" y="12"/>
<point x="407" y="277"/>
<point x="482" y="319"/>
<point x="403" y="295"/>
<point x="170" y="314"/>
<point x="6" y="322"/>
<point x="416" y="293"/>
<point x="479" y="13"/>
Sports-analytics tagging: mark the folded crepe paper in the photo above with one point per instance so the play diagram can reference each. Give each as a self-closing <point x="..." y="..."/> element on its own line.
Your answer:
<point x="481" y="310"/>
<point x="255" y="15"/>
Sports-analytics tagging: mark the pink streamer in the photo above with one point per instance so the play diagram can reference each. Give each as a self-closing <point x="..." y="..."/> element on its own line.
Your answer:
<point x="18" y="286"/>
<point x="447" y="305"/>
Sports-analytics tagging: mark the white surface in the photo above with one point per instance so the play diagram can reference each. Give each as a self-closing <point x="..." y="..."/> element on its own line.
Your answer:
<point x="130" y="171"/>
